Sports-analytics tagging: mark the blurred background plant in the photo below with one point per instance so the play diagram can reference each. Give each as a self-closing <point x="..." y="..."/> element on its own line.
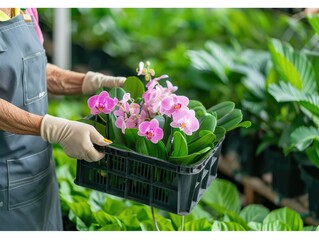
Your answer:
<point x="213" y="55"/>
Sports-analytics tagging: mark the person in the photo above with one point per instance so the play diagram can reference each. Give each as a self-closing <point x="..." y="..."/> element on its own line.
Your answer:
<point x="29" y="198"/>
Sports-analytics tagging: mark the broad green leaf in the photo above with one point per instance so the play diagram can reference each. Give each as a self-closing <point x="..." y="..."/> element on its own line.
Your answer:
<point x="203" y="60"/>
<point x="293" y="67"/>
<point x="222" y="196"/>
<point x="197" y="225"/>
<point x="227" y="226"/>
<point x="179" y="145"/>
<point x="285" y="92"/>
<point x="286" y="216"/>
<point x="113" y="205"/>
<point x="162" y="223"/>
<point x="177" y="219"/>
<point x="314" y="21"/>
<point x="231" y="120"/>
<point x="189" y="159"/>
<point x="303" y="136"/>
<point x="133" y="215"/>
<point x="117" y="92"/>
<point x="312" y="153"/>
<point x="254" y="213"/>
<point x="201" y="142"/>
<point x="96" y="200"/>
<point x="275" y="225"/>
<point x="82" y="210"/>
<point x="222" y="109"/>
<point x="112" y="227"/>
<point x="103" y="218"/>
<point x="206" y="122"/>
<point x="256" y="226"/>
<point x="134" y="86"/>
<point x="234" y="217"/>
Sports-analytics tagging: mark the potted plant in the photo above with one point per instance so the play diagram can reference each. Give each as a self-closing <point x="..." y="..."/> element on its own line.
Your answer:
<point x="165" y="147"/>
<point x="299" y="87"/>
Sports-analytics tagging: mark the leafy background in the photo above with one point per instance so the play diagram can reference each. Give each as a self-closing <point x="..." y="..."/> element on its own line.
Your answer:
<point x="213" y="55"/>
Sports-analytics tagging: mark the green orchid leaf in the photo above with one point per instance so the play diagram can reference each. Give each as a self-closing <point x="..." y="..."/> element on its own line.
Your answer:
<point x="131" y="137"/>
<point x="141" y="146"/>
<point x="134" y="86"/>
<point x="146" y="147"/>
<point x="222" y="109"/>
<point x="115" y="133"/>
<point x="227" y="226"/>
<point x="206" y="122"/>
<point x="117" y="92"/>
<point x="179" y="145"/>
<point x="254" y="213"/>
<point x="222" y="196"/>
<point x="201" y="142"/>
<point x="286" y="216"/>
<point x="198" y="107"/>
<point x="220" y="133"/>
<point x="292" y="66"/>
<point x="231" y="120"/>
<point x="189" y="159"/>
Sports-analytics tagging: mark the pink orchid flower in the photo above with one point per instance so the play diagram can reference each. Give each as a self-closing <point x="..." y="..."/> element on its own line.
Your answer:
<point x="101" y="103"/>
<point x="151" y="130"/>
<point x="185" y="120"/>
<point x="172" y="104"/>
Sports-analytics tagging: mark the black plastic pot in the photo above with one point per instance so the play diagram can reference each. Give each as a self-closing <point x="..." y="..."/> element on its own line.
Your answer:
<point x="286" y="175"/>
<point x="245" y="147"/>
<point x="310" y="175"/>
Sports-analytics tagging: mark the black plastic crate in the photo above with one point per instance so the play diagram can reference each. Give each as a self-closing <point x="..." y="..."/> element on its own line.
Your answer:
<point x="149" y="180"/>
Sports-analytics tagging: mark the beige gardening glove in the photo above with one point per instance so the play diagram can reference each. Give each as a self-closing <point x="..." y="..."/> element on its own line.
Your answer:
<point x="94" y="80"/>
<point x="75" y="138"/>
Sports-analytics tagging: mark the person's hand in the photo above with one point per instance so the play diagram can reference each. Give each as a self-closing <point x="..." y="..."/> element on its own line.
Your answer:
<point x="94" y="80"/>
<point x="76" y="138"/>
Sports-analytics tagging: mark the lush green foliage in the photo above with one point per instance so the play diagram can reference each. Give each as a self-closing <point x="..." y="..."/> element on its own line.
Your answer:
<point x="251" y="57"/>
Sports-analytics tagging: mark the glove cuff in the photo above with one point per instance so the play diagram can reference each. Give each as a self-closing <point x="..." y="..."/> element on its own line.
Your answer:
<point x="90" y="83"/>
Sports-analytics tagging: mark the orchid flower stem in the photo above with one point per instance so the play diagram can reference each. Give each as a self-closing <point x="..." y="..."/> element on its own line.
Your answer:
<point x="154" y="220"/>
<point x="95" y="121"/>
<point x="103" y="118"/>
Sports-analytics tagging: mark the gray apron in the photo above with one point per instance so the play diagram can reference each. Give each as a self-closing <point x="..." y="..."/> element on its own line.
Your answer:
<point x="29" y="198"/>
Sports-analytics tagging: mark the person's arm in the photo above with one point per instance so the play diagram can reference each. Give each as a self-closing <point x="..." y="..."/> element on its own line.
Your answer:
<point x="62" y="81"/>
<point x="18" y="121"/>
<point x="68" y="82"/>
<point x="75" y="138"/>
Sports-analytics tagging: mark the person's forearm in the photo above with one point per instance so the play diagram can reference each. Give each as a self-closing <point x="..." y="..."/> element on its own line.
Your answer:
<point x="18" y="121"/>
<point x="62" y="81"/>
